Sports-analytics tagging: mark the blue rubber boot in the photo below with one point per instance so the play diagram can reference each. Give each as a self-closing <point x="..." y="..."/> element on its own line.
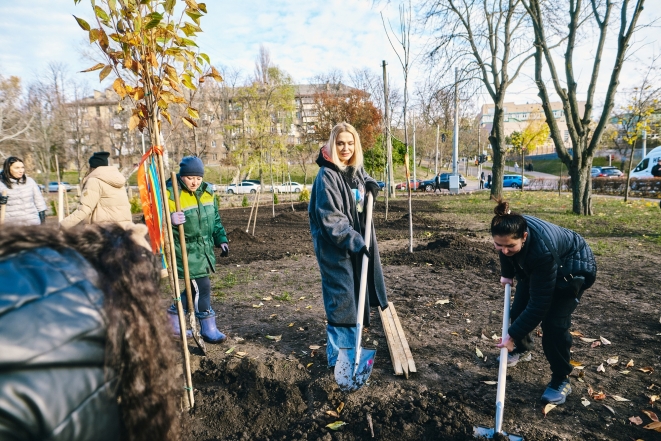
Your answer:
<point x="174" y="322"/>
<point x="209" y="331"/>
<point x="556" y="392"/>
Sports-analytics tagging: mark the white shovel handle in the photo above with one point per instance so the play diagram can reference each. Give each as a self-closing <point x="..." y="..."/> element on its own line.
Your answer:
<point x="363" y="279"/>
<point x="502" y="367"/>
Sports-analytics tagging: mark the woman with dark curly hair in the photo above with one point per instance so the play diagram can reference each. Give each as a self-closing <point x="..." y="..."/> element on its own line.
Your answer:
<point x="84" y="353"/>
<point x="553" y="267"/>
<point x="24" y="204"/>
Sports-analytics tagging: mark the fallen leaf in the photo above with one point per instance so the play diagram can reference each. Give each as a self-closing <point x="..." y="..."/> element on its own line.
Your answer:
<point x="230" y="350"/>
<point x="268" y="298"/>
<point x="647" y="370"/>
<point x="654" y="426"/>
<point x="301" y="329"/>
<point x="332" y="413"/>
<point x="604" y="341"/>
<point x="314" y="347"/>
<point x="599" y="396"/>
<point x="601" y="368"/>
<point x="619" y="398"/>
<point x="630" y="364"/>
<point x="652" y="416"/>
<point x="484" y="337"/>
<point x="575" y="363"/>
<point x="308" y="366"/>
<point x="340" y="407"/>
<point x="576" y="333"/>
<point x="290" y="325"/>
<point x="308" y="307"/>
<point x="654" y="398"/>
<point x="585" y="402"/>
<point x="240" y="354"/>
<point x="490" y="383"/>
<point x="336" y="425"/>
<point x="595" y="344"/>
<point x="548" y="408"/>
<point x="442" y="301"/>
<point x="612" y="360"/>
<point x="610" y="409"/>
<point x="301" y="298"/>
<point x="454" y="333"/>
<point x="478" y="352"/>
<point x="273" y="315"/>
<point x="258" y="306"/>
<point x="624" y="372"/>
<point x="239" y="339"/>
<point x="588" y="340"/>
<point x="274" y="337"/>
<point x="494" y="337"/>
<point x="636" y="420"/>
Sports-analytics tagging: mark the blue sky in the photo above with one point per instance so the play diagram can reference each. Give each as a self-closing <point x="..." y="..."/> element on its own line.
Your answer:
<point x="305" y="38"/>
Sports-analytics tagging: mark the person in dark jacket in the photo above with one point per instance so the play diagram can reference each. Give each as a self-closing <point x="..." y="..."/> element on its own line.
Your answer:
<point x="203" y="231"/>
<point x="545" y="293"/>
<point x="83" y="354"/>
<point x="656" y="170"/>
<point x="337" y="222"/>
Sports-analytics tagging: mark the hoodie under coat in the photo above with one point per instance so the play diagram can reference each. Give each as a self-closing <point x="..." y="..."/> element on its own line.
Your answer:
<point x="336" y="228"/>
<point x="103" y="200"/>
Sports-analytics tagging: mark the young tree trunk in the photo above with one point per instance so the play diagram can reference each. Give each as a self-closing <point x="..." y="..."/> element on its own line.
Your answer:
<point x="497" y="141"/>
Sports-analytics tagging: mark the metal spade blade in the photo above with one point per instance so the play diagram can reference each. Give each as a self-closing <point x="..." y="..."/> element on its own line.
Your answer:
<point x="345" y="366"/>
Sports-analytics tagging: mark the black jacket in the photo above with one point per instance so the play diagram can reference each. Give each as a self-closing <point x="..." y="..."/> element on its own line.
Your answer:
<point x="656" y="171"/>
<point x="52" y="338"/>
<point x="536" y="264"/>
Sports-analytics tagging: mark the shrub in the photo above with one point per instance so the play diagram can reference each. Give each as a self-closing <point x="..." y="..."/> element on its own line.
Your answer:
<point x="244" y="202"/>
<point x="53" y="207"/>
<point x="304" y="196"/>
<point x="275" y="198"/>
<point x="136" y="205"/>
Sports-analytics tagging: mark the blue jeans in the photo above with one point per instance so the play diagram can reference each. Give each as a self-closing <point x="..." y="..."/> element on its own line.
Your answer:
<point x="338" y="337"/>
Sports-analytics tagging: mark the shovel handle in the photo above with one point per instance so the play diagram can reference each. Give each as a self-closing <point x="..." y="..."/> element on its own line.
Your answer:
<point x="363" y="276"/>
<point x="502" y="367"/>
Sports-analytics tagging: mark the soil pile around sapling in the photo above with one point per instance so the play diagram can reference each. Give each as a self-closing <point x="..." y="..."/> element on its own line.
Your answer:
<point x="290" y="217"/>
<point x="451" y="251"/>
<point x="239" y="237"/>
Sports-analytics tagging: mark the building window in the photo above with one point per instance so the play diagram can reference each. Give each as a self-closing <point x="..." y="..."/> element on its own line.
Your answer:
<point x="213" y="145"/>
<point x="98" y="111"/>
<point x="214" y="156"/>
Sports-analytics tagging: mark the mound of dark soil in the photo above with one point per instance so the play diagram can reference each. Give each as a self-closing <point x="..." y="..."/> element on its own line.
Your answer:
<point x="290" y="217"/>
<point x="274" y="400"/>
<point x="239" y="236"/>
<point x="453" y="251"/>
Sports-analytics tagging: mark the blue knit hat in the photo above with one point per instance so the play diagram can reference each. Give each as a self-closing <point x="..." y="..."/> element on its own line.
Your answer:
<point x="191" y="166"/>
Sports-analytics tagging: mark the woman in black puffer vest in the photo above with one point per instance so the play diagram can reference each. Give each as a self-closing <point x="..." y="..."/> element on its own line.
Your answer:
<point x="546" y="292"/>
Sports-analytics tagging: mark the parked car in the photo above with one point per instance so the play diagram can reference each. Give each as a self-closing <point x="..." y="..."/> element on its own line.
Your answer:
<point x="254" y="181"/>
<point x="242" y="188"/>
<point x="52" y="186"/>
<point x="414" y="185"/>
<point x="610" y="172"/>
<point x="595" y="171"/>
<point x="428" y="185"/>
<point x="288" y="187"/>
<point x="514" y="181"/>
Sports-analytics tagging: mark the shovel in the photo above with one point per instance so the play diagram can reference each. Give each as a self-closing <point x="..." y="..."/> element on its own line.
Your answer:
<point x="354" y="365"/>
<point x="184" y="260"/>
<point x="487" y="432"/>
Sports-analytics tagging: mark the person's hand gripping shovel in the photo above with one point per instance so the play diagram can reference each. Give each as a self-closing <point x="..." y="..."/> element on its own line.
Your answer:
<point x="489" y="432"/>
<point x="184" y="260"/>
<point x="354" y="365"/>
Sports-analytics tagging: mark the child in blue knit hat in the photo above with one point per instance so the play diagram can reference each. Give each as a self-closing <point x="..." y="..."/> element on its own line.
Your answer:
<point x="203" y="231"/>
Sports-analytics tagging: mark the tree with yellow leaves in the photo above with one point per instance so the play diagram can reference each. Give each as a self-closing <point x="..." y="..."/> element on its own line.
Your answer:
<point x="534" y="135"/>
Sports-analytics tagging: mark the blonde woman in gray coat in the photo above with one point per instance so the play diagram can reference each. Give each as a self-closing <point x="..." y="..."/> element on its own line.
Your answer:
<point x="24" y="204"/>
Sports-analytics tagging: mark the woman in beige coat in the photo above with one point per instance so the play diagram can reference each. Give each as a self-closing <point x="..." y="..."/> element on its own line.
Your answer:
<point x="103" y="198"/>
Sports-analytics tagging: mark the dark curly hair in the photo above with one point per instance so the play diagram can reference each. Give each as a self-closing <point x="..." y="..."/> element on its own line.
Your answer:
<point x="506" y="222"/>
<point x="138" y="347"/>
<point x="6" y="176"/>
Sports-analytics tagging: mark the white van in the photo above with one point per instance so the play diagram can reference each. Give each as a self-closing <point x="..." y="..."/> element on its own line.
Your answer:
<point x="644" y="168"/>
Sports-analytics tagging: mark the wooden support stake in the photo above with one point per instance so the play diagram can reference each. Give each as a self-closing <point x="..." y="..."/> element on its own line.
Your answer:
<point x="256" y="209"/>
<point x="396" y="363"/>
<point x="402" y="337"/>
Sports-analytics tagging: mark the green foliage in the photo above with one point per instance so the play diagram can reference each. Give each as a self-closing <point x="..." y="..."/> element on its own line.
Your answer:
<point x="53" y="207"/>
<point x="284" y="297"/>
<point x="244" y="201"/>
<point x="304" y="195"/>
<point x="375" y="158"/>
<point x="136" y="205"/>
<point x="275" y="198"/>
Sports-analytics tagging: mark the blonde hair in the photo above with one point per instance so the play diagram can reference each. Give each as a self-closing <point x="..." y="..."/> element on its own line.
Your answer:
<point x="356" y="160"/>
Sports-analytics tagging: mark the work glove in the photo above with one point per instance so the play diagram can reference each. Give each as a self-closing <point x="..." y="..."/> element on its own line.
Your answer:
<point x="366" y="252"/>
<point x="373" y="188"/>
<point x="3" y="200"/>
<point x="42" y="216"/>
<point x="226" y="249"/>
<point x="178" y="218"/>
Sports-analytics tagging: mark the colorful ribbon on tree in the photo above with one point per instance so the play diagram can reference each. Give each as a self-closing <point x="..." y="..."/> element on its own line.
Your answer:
<point x="150" y="197"/>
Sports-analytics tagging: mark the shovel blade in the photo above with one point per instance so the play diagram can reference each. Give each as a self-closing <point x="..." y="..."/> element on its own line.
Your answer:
<point x="344" y="368"/>
<point x="487" y="432"/>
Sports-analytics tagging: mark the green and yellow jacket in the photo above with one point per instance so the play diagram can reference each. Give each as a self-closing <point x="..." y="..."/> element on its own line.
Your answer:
<point x="203" y="229"/>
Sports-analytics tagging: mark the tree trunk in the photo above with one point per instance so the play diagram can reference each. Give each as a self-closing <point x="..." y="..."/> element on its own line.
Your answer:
<point x="497" y="141"/>
<point x="581" y="187"/>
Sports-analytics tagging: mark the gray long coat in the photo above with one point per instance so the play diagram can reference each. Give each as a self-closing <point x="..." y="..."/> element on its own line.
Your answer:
<point x="24" y="203"/>
<point x="336" y="228"/>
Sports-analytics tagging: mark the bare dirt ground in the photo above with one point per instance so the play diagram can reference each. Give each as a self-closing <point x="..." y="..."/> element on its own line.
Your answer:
<point x="254" y="387"/>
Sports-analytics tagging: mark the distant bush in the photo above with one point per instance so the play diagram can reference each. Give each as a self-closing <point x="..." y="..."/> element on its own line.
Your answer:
<point x="244" y="202"/>
<point x="304" y="196"/>
<point x="275" y="198"/>
<point x="136" y="205"/>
